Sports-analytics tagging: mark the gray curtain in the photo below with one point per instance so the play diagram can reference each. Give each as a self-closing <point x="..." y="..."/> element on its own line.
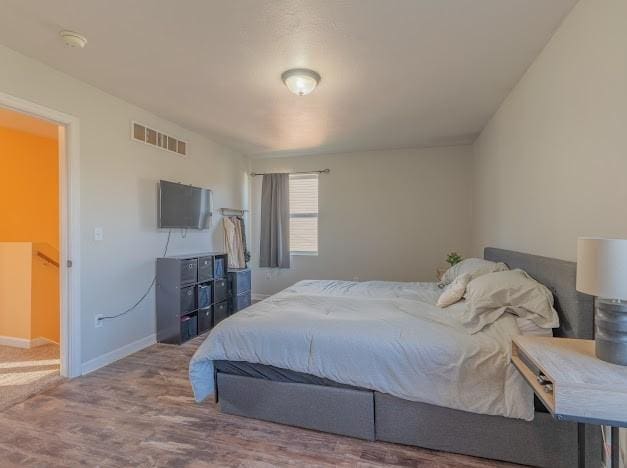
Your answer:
<point x="274" y="250"/>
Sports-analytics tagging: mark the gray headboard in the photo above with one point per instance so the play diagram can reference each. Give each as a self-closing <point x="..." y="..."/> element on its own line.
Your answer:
<point x="576" y="310"/>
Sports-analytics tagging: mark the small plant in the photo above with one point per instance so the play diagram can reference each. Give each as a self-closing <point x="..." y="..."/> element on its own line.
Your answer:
<point x="453" y="258"/>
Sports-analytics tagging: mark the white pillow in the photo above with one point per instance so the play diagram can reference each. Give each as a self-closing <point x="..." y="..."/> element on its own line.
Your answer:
<point x="454" y="292"/>
<point x="475" y="266"/>
<point x="490" y="296"/>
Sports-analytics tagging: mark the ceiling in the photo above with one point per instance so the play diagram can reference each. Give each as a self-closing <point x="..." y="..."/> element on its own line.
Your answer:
<point x="25" y="123"/>
<point x="395" y="74"/>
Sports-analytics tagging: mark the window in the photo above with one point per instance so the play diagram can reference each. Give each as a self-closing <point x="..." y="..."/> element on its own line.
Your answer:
<point x="304" y="214"/>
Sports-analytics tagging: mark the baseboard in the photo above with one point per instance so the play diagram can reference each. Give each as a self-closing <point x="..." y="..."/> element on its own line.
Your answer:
<point x="24" y="343"/>
<point x="15" y="342"/>
<point x="118" y="354"/>
<point x="259" y="297"/>
<point x="40" y="341"/>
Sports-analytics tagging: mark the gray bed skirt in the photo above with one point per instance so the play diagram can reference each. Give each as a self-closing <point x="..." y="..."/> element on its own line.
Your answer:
<point x="371" y="415"/>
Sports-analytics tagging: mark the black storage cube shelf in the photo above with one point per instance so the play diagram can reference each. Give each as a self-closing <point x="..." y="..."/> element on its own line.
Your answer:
<point x="205" y="320"/>
<point x="219" y="290"/>
<point x="204" y="295"/>
<point x="239" y="281"/>
<point x="219" y="266"/>
<point x="205" y="268"/>
<point x="240" y="302"/>
<point x="189" y="327"/>
<point x="188" y="299"/>
<point x="189" y="270"/>
<point x="220" y="312"/>
<point x="239" y="289"/>
<point x="191" y="295"/>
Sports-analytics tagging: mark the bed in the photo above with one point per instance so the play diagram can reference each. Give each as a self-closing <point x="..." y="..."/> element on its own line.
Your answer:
<point x="417" y="395"/>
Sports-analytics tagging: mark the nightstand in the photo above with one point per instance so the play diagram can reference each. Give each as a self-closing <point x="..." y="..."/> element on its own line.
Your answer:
<point x="574" y="385"/>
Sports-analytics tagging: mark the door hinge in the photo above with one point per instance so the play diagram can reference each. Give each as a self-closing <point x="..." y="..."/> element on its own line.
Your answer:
<point x="69" y="263"/>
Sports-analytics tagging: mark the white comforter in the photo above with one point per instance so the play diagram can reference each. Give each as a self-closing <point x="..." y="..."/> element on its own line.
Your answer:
<point x="383" y="336"/>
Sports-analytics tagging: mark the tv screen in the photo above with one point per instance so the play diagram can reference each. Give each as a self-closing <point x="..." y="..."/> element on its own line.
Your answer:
<point x="183" y="206"/>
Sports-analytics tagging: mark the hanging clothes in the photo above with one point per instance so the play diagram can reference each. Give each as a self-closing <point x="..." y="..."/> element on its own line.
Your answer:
<point x="233" y="238"/>
<point x="244" y="242"/>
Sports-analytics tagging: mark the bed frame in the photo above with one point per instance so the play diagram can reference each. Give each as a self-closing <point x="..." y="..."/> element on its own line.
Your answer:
<point x="372" y="415"/>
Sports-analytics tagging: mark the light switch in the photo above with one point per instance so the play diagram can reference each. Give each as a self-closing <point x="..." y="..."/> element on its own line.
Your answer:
<point x="98" y="234"/>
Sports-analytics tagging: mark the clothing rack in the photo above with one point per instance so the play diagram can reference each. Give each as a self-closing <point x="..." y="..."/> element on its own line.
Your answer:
<point x="323" y="171"/>
<point x="232" y="212"/>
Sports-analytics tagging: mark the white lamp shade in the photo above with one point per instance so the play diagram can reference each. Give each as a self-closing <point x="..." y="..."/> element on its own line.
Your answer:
<point x="602" y="267"/>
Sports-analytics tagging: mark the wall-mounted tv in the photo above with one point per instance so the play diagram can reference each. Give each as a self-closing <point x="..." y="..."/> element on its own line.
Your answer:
<point x="183" y="206"/>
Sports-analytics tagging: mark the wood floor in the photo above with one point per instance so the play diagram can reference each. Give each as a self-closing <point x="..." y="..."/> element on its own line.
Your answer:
<point x="139" y="412"/>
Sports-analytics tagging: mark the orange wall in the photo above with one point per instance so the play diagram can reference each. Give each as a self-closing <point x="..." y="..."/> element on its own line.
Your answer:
<point x="29" y="213"/>
<point x="29" y="188"/>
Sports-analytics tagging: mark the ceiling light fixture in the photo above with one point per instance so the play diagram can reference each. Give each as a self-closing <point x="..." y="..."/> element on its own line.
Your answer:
<point x="73" y="39"/>
<point x="300" y="81"/>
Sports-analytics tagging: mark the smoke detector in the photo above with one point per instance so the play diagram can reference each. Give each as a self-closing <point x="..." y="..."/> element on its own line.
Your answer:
<point x="73" y="39"/>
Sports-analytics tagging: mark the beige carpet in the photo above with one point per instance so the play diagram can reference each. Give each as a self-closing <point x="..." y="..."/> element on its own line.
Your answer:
<point x="26" y="372"/>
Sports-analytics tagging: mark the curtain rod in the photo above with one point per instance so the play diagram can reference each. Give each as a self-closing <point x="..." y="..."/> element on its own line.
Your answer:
<point x="323" y="171"/>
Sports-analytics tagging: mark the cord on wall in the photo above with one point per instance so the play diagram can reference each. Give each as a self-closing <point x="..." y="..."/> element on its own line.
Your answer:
<point x="141" y="299"/>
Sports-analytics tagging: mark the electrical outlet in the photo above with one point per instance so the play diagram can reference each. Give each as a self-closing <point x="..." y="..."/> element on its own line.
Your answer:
<point x="98" y="322"/>
<point x="98" y="234"/>
<point x="356" y="279"/>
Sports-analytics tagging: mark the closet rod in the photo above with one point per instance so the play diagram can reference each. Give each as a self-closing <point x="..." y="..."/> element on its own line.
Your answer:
<point x="323" y="171"/>
<point x="234" y="211"/>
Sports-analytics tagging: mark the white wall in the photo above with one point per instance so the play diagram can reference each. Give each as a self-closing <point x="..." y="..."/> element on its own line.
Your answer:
<point x="552" y="163"/>
<point x="387" y="215"/>
<point x="118" y="192"/>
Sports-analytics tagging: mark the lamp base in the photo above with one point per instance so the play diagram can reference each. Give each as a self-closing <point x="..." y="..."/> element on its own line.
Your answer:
<point x="611" y="331"/>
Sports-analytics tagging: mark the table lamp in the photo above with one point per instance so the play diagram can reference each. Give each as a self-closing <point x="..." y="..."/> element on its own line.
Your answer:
<point x="602" y="272"/>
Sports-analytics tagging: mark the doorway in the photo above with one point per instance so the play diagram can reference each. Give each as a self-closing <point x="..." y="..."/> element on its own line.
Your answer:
<point x="30" y="357"/>
<point x="47" y="223"/>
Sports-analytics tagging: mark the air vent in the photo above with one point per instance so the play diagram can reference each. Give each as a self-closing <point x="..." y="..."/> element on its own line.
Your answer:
<point x="149" y="136"/>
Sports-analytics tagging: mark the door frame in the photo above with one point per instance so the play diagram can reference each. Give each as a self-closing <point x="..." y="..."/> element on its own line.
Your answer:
<point x="69" y="226"/>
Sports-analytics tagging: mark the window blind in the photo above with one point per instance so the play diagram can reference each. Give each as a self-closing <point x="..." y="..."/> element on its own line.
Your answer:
<point x="304" y="213"/>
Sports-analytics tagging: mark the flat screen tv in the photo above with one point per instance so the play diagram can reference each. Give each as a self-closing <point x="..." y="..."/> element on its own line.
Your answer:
<point x="183" y="206"/>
